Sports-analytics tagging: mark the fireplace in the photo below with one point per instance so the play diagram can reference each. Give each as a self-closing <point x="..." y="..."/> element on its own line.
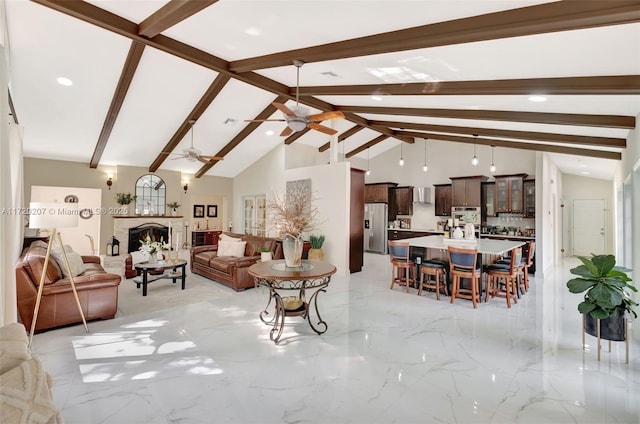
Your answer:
<point x="156" y="231"/>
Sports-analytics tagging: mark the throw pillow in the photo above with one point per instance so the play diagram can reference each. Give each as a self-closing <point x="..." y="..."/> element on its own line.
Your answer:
<point x="231" y="248"/>
<point x="224" y="237"/>
<point x="75" y="261"/>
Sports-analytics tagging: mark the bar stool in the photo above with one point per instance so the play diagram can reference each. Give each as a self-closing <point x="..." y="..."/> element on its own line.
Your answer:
<point x="528" y="252"/>
<point x="438" y="270"/>
<point x="403" y="271"/>
<point x="509" y="274"/>
<point x="463" y="263"/>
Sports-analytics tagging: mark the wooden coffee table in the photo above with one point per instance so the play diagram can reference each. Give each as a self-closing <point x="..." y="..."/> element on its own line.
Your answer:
<point x="170" y="271"/>
<point x="312" y="275"/>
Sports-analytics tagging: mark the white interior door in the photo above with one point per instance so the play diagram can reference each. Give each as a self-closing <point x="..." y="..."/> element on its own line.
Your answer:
<point x="589" y="230"/>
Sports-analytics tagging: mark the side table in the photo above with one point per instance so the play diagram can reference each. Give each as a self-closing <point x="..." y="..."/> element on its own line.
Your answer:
<point x="277" y="277"/>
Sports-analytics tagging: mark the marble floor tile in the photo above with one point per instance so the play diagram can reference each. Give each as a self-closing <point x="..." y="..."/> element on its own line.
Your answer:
<point x="203" y="356"/>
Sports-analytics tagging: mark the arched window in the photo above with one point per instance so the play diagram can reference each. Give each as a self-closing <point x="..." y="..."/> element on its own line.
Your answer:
<point x="151" y="193"/>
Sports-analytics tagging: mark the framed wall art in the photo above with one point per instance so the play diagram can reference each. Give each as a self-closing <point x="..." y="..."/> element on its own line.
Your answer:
<point x="198" y="211"/>
<point x="212" y="211"/>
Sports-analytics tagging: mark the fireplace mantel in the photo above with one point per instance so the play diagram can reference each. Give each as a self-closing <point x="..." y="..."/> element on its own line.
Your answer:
<point x="122" y="224"/>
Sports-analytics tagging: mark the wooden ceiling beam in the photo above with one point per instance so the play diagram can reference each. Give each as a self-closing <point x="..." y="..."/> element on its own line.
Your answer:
<point x="519" y="145"/>
<point x="538" y="19"/>
<point x="212" y="92"/>
<point x="366" y="145"/>
<point x="244" y="133"/>
<point x="608" y="121"/>
<point x="348" y="133"/>
<point x="170" y="14"/>
<point x="296" y="135"/>
<point x="126" y="76"/>
<point x="599" y="85"/>
<point x="522" y="135"/>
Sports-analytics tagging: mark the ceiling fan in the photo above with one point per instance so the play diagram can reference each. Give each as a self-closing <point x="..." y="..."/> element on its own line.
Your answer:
<point x="192" y="154"/>
<point x="298" y="119"/>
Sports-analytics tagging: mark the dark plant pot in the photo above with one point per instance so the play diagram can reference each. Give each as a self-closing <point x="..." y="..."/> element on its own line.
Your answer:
<point x="612" y="328"/>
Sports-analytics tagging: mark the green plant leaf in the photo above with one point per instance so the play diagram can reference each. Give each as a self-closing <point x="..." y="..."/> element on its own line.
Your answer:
<point x="582" y="271"/>
<point x="586" y="307"/>
<point x="589" y="265"/>
<point x="606" y="294"/>
<point x="578" y="285"/>
<point x="599" y="314"/>
<point x="604" y="263"/>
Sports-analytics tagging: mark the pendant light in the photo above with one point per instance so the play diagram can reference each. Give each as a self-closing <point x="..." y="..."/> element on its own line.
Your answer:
<point x="401" y="161"/>
<point x="368" y="171"/>
<point x="425" y="168"/>
<point x="492" y="168"/>
<point x="474" y="161"/>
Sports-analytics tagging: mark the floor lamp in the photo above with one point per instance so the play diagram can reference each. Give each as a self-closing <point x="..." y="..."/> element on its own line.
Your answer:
<point x="53" y="216"/>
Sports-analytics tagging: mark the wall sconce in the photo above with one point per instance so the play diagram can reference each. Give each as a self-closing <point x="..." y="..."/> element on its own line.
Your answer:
<point x="109" y="181"/>
<point x="185" y="187"/>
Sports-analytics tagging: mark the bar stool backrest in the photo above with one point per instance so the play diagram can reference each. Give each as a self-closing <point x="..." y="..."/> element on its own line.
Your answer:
<point x="462" y="259"/>
<point x="398" y="251"/>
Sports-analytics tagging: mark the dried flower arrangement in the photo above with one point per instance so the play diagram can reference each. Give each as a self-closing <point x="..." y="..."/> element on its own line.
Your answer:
<point x="294" y="213"/>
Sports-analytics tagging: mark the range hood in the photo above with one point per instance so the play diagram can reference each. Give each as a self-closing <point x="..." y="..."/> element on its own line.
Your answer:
<point x="422" y="195"/>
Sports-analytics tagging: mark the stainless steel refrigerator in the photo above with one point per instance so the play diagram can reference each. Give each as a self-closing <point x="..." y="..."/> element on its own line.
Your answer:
<point x="375" y="227"/>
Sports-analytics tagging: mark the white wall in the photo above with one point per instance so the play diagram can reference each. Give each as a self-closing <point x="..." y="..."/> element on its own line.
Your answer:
<point x="330" y="185"/>
<point x="548" y="215"/>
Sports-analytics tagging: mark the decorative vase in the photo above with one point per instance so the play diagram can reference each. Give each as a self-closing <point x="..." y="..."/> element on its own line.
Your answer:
<point x="292" y="250"/>
<point x="153" y="258"/>
<point x="316" y="254"/>
<point x="174" y="212"/>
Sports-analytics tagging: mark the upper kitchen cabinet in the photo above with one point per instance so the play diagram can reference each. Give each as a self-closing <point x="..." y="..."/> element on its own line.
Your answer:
<point x="467" y="191"/>
<point x="403" y="200"/>
<point x="529" y="187"/>
<point x="443" y="199"/>
<point x="509" y="193"/>
<point x="488" y="200"/>
<point x="379" y="192"/>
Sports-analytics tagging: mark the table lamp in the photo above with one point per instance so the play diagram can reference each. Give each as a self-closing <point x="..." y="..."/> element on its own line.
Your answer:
<point x="53" y="216"/>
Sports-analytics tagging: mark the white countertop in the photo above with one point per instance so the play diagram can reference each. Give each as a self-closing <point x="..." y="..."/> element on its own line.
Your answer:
<point x="418" y="230"/>
<point x="485" y="246"/>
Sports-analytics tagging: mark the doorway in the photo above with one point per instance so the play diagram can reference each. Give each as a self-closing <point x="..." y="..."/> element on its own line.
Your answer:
<point x="589" y="228"/>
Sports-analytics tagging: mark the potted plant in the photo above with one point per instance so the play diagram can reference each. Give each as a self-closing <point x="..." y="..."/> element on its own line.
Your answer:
<point x="265" y="253"/>
<point x="291" y="216"/>
<point x="174" y="208"/>
<point x="607" y="297"/>
<point x="124" y="199"/>
<point x="316" y="253"/>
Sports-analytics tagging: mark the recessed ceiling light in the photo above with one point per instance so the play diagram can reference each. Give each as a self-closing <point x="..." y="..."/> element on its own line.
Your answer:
<point x="253" y="31"/>
<point x="64" y="81"/>
<point x="269" y="132"/>
<point x="537" y="98"/>
<point x="229" y="121"/>
<point x="376" y="98"/>
<point x="585" y="173"/>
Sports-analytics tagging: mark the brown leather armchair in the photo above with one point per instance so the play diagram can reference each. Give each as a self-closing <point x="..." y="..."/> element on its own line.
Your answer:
<point x="97" y="290"/>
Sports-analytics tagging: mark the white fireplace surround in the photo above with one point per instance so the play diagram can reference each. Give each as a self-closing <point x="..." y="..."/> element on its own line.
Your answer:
<point x="121" y="227"/>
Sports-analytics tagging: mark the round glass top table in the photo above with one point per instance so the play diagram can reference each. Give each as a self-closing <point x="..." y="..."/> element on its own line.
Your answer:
<point x="278" y="278"/>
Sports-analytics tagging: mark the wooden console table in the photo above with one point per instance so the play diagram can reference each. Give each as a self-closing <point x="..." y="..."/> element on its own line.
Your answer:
<point x="311" y="275"/>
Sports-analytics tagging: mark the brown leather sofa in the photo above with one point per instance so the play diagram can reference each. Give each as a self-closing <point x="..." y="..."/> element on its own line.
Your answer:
<point x="229" y="270"/>
<point x="97" y="290"/>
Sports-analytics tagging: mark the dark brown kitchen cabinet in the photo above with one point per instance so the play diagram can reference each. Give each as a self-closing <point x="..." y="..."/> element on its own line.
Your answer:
<point x="403" y="200"/>
<point x="509" y="193"/>
<point x="467" y="191"/>
<point x="488" y="200"/>
<point x="356" y="218"/>
<point x="442" y="199"/>
<point x="379" y="192"/>
<point x="529" y="188"/>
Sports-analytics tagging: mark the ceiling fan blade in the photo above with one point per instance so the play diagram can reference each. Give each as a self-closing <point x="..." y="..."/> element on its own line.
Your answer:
<point x="178" y="156"/>
<point x="322" y="128"/>
<point x="284" y="109"/>
<point x="336" y="114"/>
<point x="285" y="132"/>
<point x="265" y="120"/>
<point x="212" y="157"/>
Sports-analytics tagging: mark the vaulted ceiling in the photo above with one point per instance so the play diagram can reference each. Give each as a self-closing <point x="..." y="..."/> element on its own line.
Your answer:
<point x="460" y="72"/>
